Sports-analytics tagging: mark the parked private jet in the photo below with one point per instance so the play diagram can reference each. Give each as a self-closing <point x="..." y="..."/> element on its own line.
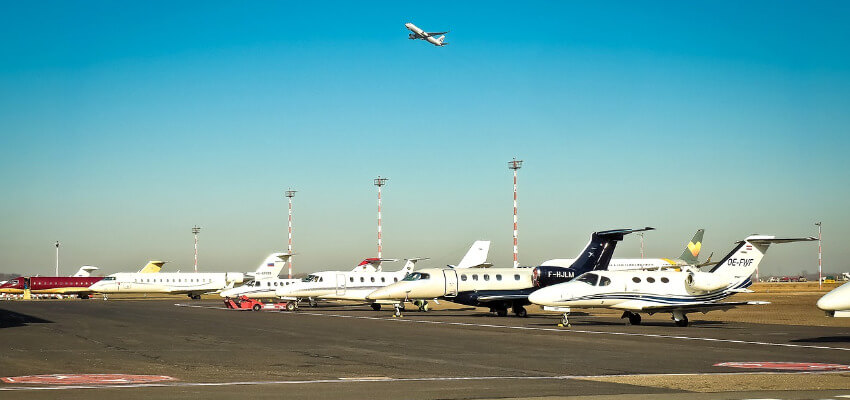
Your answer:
<point x="497" y="288"/>
<point x="77" y="284"/>
<point x="663" y="291"/>
<point x="368" y="276"/>
<point x="836" y="303"/>
<point x="429" y="36"/>
<point x="192" y="284"/>
<point x="688" y="257"/>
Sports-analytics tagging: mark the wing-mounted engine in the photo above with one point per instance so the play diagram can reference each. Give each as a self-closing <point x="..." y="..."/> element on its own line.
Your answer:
<point x="543" y="276"/>
<point x="705" y="282"/>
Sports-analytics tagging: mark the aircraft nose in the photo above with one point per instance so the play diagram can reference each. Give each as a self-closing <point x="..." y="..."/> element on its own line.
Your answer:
<point x="829" y="302"/>
<point x="380" y="294"/>
<point x="543" y="297"/>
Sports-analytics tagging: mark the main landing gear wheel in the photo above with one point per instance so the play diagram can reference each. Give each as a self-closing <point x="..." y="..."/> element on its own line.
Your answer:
<point x="681" y="322"/>
<point x="634" y="318"/>
<point x="256" y="307"/>
<point x="502" y="311"/>
<point x="290" y="306"/>
<point x="195" y="296"/>
<point x="423" y="305"/>
<point x="520" y="311"/>
<point x="376" y="306"/>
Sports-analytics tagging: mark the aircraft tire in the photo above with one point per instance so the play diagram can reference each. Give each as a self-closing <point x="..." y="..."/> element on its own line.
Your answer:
<point x="520" y="312"/>
<point x="634" y="318"/>
<point x="502" y="311"/>
<point x="682" y="322"/>
<point x="376" y="306"/>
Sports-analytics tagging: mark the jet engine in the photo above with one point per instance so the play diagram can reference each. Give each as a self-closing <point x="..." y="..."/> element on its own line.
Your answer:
<point x="705" y="282"/>
<point x="234" y="277"/>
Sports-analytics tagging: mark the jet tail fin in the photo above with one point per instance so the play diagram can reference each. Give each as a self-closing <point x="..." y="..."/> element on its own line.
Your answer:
<point x="476" y="255"/>
<point x="691" y="253"/>
<point x="271" y="266"/>
<point x="598" y="252"/>
<point x="409" y="263"/>
<point x="85" y="271"/>
<point x="152" y="267"/>
<point x="744" y="259"/>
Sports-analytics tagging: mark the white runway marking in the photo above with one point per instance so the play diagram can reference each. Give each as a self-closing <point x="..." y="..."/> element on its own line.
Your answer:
<point x="379" y="379"/>
<point x="564" y="330"/>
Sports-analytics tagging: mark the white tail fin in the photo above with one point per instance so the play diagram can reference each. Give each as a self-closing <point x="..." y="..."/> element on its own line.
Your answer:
<point x="409" y="263"/>
<point x="152" y="267"/>
<point x="477" y="255"/>
<point x="744" y="259"/>
<point x="85" y="270"/>
<point x="271" y="266"/>
<point x="371" y="264"/>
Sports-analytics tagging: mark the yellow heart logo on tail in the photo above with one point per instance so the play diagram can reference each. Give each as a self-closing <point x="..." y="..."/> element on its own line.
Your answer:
<point x="694" y="248"/>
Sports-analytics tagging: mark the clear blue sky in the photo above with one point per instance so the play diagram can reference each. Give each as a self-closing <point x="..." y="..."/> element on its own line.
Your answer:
<point x="124" y="124"/>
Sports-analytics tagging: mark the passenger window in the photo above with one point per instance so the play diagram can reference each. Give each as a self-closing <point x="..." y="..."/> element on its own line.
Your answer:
<point x="463" y="277"/>
<point x="636" y="280"/>
<point x="373" y="279"/>
<point x="268" y="283"/>
<point x="474" y="277"/>
<point x="383" y="279"/>
<point x="665" y="280"/>
<point x="351" y="279"/>
<point x="650" y="279"/>
<point x="395" y="279"/>
<point x="516" y="277"/>
<point x="498" y="277"/>
<point x="486" y="277"/>
<point x="362" y="280"/>
<point x="275" y="283"/>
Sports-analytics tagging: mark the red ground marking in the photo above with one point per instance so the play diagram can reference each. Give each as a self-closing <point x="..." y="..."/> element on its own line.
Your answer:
<point x="788" y="366"/>
<point x="87" y="379"/>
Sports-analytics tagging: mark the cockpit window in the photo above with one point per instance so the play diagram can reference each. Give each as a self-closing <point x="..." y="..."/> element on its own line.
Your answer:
<point x="588" y="278"/>
<point x="310" y="278"/>
<point x="604" y="281"/>
<point x="109" y="278"/>
<point x="415" y="276"/>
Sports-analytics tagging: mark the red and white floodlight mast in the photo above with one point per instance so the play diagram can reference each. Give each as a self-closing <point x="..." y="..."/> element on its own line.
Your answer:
<point x="195" y="230"/>
<point x="515" y="165"/>
<point x="379" y="182"/>
<point x="820" y="259"/>
<point x="290" y="194"/>
<point x="57" y="258"/>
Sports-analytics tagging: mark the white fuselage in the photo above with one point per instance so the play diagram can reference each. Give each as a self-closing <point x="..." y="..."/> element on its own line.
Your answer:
<point x="431" y="283"/>
<point x="259" y="289"/>
<point x="619" y="264"/>
<point x="339" y="285"/>
<point x="632" y="290"/>
<point x="836" y="303"/>
<point x="170" y="282"/>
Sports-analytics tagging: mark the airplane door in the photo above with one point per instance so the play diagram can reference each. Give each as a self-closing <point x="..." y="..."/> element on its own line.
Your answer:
<point x="340" y="284"/>
<point x="451" y="282"/>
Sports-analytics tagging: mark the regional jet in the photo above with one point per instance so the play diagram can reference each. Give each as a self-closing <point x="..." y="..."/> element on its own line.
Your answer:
<point x="77" y="284"/>
<point x="429" y="36"/>
<point x="497" y="288"/>
<point x="836" y="303"/>
<point x="663" y="291"/>
<point x="192" y="284"/>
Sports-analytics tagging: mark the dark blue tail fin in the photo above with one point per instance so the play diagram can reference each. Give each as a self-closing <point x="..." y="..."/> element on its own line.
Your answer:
<point x="595" y="256"/>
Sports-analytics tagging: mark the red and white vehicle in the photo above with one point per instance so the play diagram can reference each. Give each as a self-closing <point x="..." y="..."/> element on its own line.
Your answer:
<point x="247" y="303"/>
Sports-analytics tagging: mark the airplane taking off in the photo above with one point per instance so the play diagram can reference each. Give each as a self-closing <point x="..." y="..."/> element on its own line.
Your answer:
<point x="662" y="291"/>
<point x="497" y="288"/>
<point x="429" y="36"/>
<point x="689" y="257"/>
<point x="192" y="284"/>
<point x="836" y="303"/>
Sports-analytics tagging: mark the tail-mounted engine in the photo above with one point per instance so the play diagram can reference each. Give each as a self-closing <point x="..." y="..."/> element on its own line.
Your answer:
<point x="543" y="276"/>
<point x="705" y="282"/>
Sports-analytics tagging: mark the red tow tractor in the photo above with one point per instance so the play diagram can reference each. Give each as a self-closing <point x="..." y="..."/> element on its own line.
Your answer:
<point x="247" y="303"/>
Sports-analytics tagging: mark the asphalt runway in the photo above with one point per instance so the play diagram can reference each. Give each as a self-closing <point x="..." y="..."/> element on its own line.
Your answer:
<point x="352" y="352"/>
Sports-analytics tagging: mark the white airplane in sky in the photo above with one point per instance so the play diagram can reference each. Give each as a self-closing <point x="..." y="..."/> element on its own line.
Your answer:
<point x="193" y="284"/>
<point x="836" y="303"/>
<point x="429" y="36"/>
<point x="662" y="291"/>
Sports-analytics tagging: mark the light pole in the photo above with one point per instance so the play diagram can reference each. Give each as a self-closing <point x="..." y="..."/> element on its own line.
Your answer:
<point x="195" y="230"/>
<point x="57" y="258"/>
<point x="289" y="195"/>
<point x="820" y="259"/>
<point x="379" y="182"/>
<point x="515" y="165"/>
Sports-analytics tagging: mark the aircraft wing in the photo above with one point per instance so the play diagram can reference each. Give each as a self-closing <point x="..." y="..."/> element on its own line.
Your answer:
<point x="699" y="307"/>
<point x="498" y="297"/>
<point x="436" y="33"/>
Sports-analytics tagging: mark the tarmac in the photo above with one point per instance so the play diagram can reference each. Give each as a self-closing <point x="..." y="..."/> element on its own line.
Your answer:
<point x="348" y="351"/>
